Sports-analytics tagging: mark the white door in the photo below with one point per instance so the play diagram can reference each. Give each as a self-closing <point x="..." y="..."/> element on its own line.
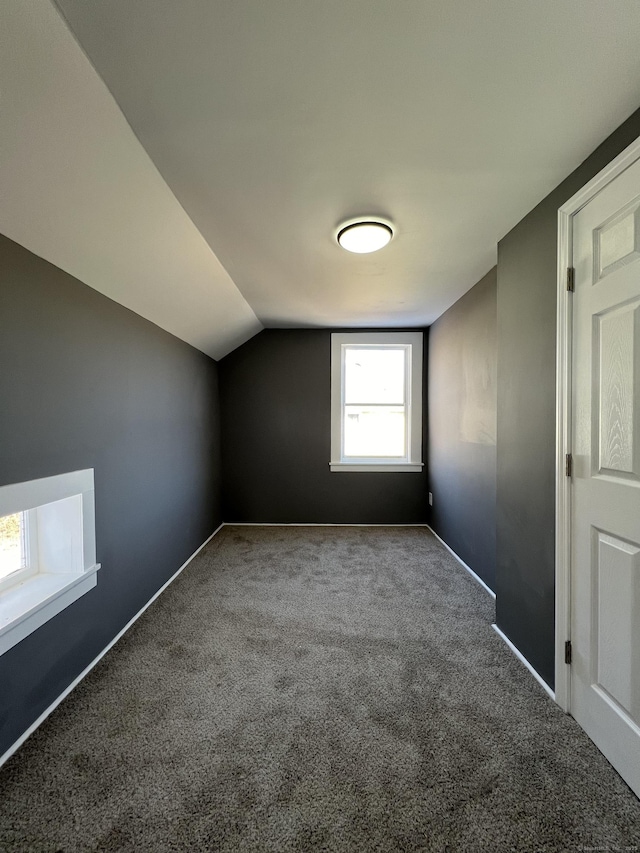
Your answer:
<point x="605" y="500"/>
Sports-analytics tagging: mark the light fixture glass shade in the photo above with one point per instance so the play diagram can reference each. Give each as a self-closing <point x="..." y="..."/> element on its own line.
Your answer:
<point x="364" y="236"/>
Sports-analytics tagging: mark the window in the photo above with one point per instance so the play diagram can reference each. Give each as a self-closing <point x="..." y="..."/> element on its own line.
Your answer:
<point x="47" y="550"/>
<point x="376" y="401"/>
<point x="18" y="556"/>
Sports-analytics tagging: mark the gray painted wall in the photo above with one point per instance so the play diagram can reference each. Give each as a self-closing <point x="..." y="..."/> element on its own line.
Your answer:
<point x="276" y="441"/>
<point x="525" y="573"/>
<point x="462" y="427"/>
<point x="85" y="383"/>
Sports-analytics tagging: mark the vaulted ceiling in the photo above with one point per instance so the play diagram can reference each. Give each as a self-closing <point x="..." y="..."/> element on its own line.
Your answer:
<point x="192" y="160"/>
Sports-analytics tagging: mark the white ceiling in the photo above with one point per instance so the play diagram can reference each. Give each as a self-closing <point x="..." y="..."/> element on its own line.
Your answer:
<point x="273" y="120"/>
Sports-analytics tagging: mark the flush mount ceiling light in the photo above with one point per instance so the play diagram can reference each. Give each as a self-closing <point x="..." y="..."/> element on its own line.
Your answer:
<point x="364" y="235"/>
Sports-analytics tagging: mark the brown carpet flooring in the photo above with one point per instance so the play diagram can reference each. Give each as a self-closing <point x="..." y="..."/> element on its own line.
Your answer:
<point x="314" y="689"/>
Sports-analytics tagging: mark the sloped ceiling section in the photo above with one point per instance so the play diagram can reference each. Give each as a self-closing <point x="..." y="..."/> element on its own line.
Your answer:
<point x="271" y="121"/>
<point x="274" y="120"/>
<point x="78" y="189"/>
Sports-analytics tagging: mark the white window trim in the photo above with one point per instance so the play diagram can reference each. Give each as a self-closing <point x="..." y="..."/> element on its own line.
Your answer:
<point x="30" y="602"/>
<point x="413" y="462"/>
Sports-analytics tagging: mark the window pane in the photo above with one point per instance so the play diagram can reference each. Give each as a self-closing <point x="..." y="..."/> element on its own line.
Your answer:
<point x="374" y="375"/>
<point x="374" y="431"/>
<point x="12" y="544"/>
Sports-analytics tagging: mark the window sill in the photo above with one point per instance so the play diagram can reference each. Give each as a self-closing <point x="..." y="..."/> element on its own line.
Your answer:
<point x="34" y="601"/>
<point x="382" y="468"/>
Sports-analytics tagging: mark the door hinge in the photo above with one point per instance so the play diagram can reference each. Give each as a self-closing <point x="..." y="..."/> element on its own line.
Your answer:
<point x="571" y="278"/>
<point x="567" y="652"/>
<point x="568" y="465"/>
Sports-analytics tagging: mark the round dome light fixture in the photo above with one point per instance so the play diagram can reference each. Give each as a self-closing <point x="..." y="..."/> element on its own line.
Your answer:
<point x="364" y="235"/>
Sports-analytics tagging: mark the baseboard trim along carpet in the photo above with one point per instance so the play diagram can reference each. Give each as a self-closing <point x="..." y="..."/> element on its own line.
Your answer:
<point x="316" y="524"/>
<point x="16" y="746"/>
<point x="523" y="660"/>
<point x="515" y="651"/>
<point x="462" y="563"/>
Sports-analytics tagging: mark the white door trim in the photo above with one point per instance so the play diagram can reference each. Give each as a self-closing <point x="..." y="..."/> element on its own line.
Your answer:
<point x="563" y="410"/>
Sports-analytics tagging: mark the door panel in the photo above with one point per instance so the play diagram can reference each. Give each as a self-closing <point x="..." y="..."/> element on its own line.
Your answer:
<point x="617" y="241"/>
<point x="616" y="588"/>
<point x="615" y="377"/>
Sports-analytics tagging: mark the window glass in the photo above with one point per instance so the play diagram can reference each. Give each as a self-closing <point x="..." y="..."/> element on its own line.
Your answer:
<point x="374" y="431"/>
<point x="374" y="375"/>
<point x="13" y="552"/>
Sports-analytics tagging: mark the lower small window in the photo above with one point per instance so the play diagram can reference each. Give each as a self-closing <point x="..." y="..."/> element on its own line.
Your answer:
<point x="18" y="557"/>
<point x="47" y="550"/>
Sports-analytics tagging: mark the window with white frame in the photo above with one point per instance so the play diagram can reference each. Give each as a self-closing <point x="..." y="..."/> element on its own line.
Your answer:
<point x="47" y="550"/>
<point x="18" y="556"/>
<point x="376" y="401"/>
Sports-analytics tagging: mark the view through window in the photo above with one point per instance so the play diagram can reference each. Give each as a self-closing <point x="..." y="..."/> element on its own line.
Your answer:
<point x="374" y="414"/>
<point x="13" y="549"/>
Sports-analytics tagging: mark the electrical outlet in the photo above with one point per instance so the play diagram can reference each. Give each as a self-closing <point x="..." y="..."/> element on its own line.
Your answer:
<point x="430" y="498"/>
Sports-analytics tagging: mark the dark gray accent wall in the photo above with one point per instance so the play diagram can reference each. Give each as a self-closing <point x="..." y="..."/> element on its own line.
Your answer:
<point x="462" y="427"/>
<point x="85" y="383"/>
<point x="525" y="577"/>
<point x="276" y="441"/>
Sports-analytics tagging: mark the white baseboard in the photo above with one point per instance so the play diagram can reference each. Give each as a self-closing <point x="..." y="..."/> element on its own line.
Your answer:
<point x="463" y="564"/>
<point x="7" y="755"/>
<point x="523" y="660"/>
<point x="311" y="524"/>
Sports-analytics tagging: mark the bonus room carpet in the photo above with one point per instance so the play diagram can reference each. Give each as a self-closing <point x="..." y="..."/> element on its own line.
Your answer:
<point x="314" y="689"/>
